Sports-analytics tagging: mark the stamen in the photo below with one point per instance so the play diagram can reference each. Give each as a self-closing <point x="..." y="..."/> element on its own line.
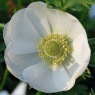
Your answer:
<point x="55" y="48"/>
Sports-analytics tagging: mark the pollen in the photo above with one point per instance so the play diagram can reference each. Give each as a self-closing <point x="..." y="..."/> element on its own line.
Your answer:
<point x="55" y="48"/>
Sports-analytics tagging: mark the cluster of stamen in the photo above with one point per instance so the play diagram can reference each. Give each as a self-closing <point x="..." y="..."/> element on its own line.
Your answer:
<point x="55" y="48"/>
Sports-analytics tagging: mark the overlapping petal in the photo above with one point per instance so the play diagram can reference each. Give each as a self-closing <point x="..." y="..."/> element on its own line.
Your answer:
<point x="60" y="22"/>
<point x="43" y="78"/>
<point x="81" y="50"/>
<point x="17" y="63"/>
<point x="38" y="20"/>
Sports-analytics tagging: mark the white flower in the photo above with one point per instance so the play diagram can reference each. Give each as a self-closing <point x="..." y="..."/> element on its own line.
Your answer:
<point x="92" y="12"/>
<point x="46" y="48"/>
<point x="4" y="92"/>
<point x="19" y="90"/>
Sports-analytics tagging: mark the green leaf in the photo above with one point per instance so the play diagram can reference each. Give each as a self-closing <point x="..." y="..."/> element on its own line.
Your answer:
<point x="87" y="74"/>
<point x="2" y="26"/>
<point x="91" y="41"/>
<point x="3" y="5"/>
<point x="92" y="46"/>
<point x="77" y="8"/>
<point x="39" y="93"/>
<point x="2" y="46"/>
<point x="76" y="90"/>
<point x="92" y="91"/>
<point x="92" y="60"/>
<point x="1" y="58"/>
<point x="75" y="5"/>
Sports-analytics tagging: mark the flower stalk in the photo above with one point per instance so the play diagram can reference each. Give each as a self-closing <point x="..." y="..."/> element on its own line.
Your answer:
<point x="3" y="82"/>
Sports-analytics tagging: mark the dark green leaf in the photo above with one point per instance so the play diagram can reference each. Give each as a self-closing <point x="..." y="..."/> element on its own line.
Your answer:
<point x="2" y="46"/>
<point x="40" y="93"/>
<point x="76" y="90"/>
<point x="1" y="58"/>
<point x="92" y="60"/>
<point x="3" y="5"/>
<point x="92" y="91"/>
<point x="91" y="41"/>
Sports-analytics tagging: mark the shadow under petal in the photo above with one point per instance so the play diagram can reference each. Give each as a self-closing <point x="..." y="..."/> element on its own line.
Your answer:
<point x="70" y="65"/>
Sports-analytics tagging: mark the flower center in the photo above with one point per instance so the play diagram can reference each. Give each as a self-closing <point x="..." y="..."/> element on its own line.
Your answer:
<point x="52" y="48"/>
<point x="55" y="48"/>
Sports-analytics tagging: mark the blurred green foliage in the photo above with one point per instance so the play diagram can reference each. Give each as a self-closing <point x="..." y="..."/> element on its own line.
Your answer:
<point x="85" y="84"/>
<point x="75" y="5"/>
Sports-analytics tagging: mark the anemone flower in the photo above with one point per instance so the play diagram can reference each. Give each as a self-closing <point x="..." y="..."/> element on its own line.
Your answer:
<point x="19" y="90"/>
<point x="46" y="47"/>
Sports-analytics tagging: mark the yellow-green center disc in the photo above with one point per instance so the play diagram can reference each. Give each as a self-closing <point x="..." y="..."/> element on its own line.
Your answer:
<point x="52" y="48"/>
<point x="55" y="48"/>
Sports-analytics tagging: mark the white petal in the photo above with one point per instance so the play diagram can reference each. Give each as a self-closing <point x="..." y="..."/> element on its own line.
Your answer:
<point x="60" y="22"/>
<point x="39" y="20"/>
<point x="80" y="70"/>
<point x="69" y="25"/>
<point x="6" y="34"/>
<point x="17" y="63"/>
<point x="44" y="79"/>
<point x="78" y="61"/>
<point x="70" y="65"/>
<point x="4" y="92"/>
<point x="77" y="64"/>
<point x="64" y="22"/>
<point x="47" y="16"/>
<point x="23" y="32"/>
<point x="81" y="50"/>
<point x="20" y="89"/>
<point x="75" y="70"/>
<point x="23" y="48"/>
<point x="70" y="84"/>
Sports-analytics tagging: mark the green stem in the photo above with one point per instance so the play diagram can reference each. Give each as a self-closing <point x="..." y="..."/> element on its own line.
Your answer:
<point x="19" y="3"/>
<point x="4" y="79"/>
